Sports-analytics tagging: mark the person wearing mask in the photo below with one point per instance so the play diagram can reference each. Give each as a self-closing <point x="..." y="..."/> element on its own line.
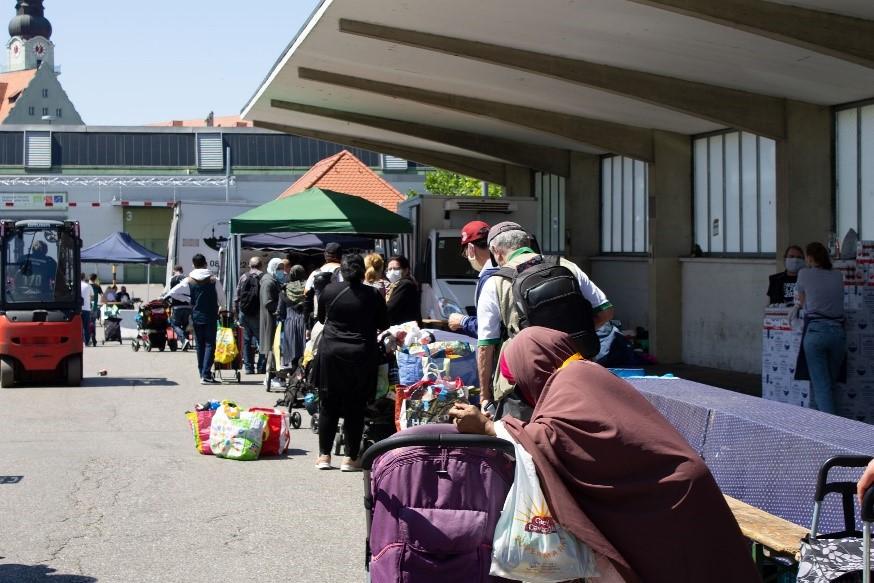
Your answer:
<point x="820" y="293"/>
<point x="614" y="471"/>
<point x="475" y="248"/>
<point x="87" y="300"/>
<point x="207" y="297"/>
<point x="271" y="286"/>
<point x="374" y="274"/>
<point x="498" y="315"/>
<point x="402" y="298"/>
<point x="352" y="314"/>
<point x="781" y="286"/>
<point x="248" y="309"/>
<point x="124" y="298"/>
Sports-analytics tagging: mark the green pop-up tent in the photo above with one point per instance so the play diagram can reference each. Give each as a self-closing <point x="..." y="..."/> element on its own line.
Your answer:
<point x="321" y="211"/>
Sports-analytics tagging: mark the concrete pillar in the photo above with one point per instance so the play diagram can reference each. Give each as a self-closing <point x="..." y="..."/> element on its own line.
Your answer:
<point x="670" y="237"/>
<point x="583" y="209"/>
<point x="804" y="178"/>
<point x="519" y="181"/>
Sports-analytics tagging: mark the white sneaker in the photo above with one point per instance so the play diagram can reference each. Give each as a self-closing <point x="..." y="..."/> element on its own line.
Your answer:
<point x="323" y="462"/>
<point x="350" y="465"/>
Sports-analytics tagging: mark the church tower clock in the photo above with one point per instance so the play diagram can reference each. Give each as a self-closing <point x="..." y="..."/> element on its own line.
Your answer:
<point x="30" y="45"/>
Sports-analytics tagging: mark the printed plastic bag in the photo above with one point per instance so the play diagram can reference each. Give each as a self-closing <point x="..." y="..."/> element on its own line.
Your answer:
<point x="200" y="421"/>
<point x="236" y="434"/>
<point x="278" y="435"/>
<point x="529" y="545"/>
<point x="225" y="346"/>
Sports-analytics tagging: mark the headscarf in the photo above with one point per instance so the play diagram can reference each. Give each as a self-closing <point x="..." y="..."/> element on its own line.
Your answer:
<point x="273" y="265"/>
<point x="617" y="475"/>
<point x="297" y="273"/>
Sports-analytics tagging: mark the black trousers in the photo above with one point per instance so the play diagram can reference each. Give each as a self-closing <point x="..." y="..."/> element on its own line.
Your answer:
<point x="347" y="377"/>
<point x="331" y="408"/>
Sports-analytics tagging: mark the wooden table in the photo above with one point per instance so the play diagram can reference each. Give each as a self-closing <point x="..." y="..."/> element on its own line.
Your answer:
<point x="775" y="534"/>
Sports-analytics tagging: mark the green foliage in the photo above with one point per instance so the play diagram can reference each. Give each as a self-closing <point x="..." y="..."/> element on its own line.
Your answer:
<point x="448" y="183"/>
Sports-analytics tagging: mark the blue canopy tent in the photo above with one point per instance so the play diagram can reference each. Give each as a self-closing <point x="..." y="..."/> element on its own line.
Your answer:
<point x="121" y="248"/>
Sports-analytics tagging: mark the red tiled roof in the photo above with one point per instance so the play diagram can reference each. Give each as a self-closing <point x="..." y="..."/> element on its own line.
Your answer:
<point x="11" y="86"/>
<point x="345" y="173"/>
<point x="226" y="121"/>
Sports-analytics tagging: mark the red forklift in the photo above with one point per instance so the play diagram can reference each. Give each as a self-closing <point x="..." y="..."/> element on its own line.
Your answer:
<point x="40" y="302"/>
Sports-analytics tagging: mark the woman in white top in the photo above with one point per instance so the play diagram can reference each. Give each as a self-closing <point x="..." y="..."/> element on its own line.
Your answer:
<point x="820" y="292"/>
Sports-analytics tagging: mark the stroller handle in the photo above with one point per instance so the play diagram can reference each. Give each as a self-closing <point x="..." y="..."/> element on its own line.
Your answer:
<point x="444" y="440"/>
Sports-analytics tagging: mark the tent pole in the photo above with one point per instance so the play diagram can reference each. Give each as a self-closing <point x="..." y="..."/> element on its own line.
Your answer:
<point x="148" y="281"/>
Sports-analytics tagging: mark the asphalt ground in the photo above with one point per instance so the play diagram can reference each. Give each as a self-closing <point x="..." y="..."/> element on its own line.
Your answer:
<point x="103" y="483"/>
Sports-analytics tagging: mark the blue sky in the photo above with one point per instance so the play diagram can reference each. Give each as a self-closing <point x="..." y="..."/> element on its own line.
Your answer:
<point x="130" y="62"/>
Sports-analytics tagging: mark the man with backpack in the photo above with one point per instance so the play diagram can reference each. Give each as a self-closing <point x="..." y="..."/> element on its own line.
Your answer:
<point x="248" y="306"/>
<point x="532" y="290"/>
<point x="180" y="309"/>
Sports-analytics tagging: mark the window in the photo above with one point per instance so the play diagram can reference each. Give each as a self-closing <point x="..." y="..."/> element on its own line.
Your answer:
<point x="59" y="112"/>
<point x="550" y="192"/>
<point x="854" y="171"/>
<point x="624" y="201"/>
<point x="45" y="110"/>
<point x="38" y="149"/>
<point x="735" y="193"/>
<point x="45" y="93"/>
<point x="31" y="110"/>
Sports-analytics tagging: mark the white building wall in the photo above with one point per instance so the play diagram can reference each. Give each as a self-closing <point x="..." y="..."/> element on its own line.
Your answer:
<point x="625" y="280"/>
<point x="723" y="302"/>
<point x="45" y="79"/>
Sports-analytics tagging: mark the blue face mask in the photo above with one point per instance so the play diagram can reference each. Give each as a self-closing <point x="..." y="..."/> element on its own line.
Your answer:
<point x="280" y="276"/>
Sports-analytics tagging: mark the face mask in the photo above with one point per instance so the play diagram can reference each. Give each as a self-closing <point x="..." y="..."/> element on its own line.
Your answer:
<point x="474" y="262"/>
<point x="794" y="264"/>
<point x="280" y="276"/>
<point x="393" y="275"/>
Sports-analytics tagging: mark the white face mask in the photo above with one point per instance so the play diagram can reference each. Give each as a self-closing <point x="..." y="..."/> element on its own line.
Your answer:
<point x="794" y="264"/>
<point x="474" y="262"/>
<point x="393" y="275"/>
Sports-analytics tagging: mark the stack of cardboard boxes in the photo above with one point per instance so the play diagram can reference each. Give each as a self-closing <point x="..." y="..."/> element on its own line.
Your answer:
<point x="781" y="342"/>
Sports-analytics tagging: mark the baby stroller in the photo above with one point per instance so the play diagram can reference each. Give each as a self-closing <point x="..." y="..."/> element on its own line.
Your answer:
<point x="226" y="320"/>
<point x="153" y="328"/>
<point x="111" y="325"/>
<point x="301" y="392"/>
<point x="408" y="527"/>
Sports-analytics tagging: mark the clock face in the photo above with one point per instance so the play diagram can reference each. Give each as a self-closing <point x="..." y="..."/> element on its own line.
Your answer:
<point x="16" y="48"/>
<point x="39" y="49"/>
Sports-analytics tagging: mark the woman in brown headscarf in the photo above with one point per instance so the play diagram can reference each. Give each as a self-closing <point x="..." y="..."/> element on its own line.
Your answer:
<point x="614" y="471"/>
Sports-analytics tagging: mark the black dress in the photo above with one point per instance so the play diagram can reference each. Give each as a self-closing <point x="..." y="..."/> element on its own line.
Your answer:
<point x="352" y="315"/>
<point x="781" y="288"/>
<point x="404" y="302"/>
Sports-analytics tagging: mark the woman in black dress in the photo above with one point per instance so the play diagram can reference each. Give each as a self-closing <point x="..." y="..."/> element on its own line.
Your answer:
<point x="402" y="298"/>
<point x="352" y="314"/>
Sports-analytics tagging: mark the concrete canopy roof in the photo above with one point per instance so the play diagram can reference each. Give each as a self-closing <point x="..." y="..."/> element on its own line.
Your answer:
<point x="605" y="72"/>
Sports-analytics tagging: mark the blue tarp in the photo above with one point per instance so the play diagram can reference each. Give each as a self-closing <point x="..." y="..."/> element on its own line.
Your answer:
<point x="120" y="248"/>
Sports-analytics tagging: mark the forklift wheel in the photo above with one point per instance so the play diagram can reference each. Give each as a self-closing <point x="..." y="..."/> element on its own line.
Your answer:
<point x="173" y="345"/>
<point x="73" y="374"/>
<point x="7" y="373"/>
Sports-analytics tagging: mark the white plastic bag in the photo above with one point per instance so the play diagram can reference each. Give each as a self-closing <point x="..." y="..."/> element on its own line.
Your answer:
<point x="529" y="544"/>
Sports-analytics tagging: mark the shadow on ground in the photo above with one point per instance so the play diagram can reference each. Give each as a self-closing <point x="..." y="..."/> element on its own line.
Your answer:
<point x="38" y="574"/>
<point x="10" y="479"/>
<point x="111" y="381"/>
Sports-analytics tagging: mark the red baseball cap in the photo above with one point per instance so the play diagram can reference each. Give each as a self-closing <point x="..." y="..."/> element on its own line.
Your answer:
<point x="474" y="231"/>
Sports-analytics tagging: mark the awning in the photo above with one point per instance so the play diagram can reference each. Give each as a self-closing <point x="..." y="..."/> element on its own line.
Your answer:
<point x="303" y="242"/>
<point x="321" y="211"/>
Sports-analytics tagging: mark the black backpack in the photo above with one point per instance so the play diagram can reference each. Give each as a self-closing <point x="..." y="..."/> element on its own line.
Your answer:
<point x="547" y="294"/>
<point x="250" y="294"/>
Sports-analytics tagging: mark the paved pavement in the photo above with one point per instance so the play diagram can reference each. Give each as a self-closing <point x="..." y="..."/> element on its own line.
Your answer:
<point x="102" y="483"/>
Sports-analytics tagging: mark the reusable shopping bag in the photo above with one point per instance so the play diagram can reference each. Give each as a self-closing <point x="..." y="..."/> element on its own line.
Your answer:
<point x="200" y="421"/>
<point x="225" y="346"/>
<point x="529" y="545"/>
<point x="835" y="559"/>
<point x="236" y="434"/>
<point x="278" y="434"/>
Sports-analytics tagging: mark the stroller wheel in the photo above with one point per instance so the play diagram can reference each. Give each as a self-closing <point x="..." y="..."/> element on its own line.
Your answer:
<point x="296" y="420"/>
<point x="237" y="375"/>
<point x="339" y="445"/>
<point x="135" y="346"/>
<point x="314" y="423"/>
<point x="148" y="347"/>
<point x="173" y="345"/>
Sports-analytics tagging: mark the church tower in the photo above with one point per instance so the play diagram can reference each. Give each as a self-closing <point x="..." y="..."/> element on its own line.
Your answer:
<point x="30" y="45"/>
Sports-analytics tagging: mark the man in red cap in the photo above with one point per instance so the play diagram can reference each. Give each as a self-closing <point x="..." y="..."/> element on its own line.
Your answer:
<point x="475" y="248"/>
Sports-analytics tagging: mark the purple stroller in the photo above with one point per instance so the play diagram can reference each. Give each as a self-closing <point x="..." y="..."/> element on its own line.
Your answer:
<point x="433" y="499"/>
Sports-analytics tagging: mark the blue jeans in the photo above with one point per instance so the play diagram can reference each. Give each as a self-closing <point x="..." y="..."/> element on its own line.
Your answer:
<point x="179" y="320"/>
<point x="86" y="327"/>
<point x="251" y="332"/>
<point x="825" y="347"/>
<point x="204" y="338"/>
